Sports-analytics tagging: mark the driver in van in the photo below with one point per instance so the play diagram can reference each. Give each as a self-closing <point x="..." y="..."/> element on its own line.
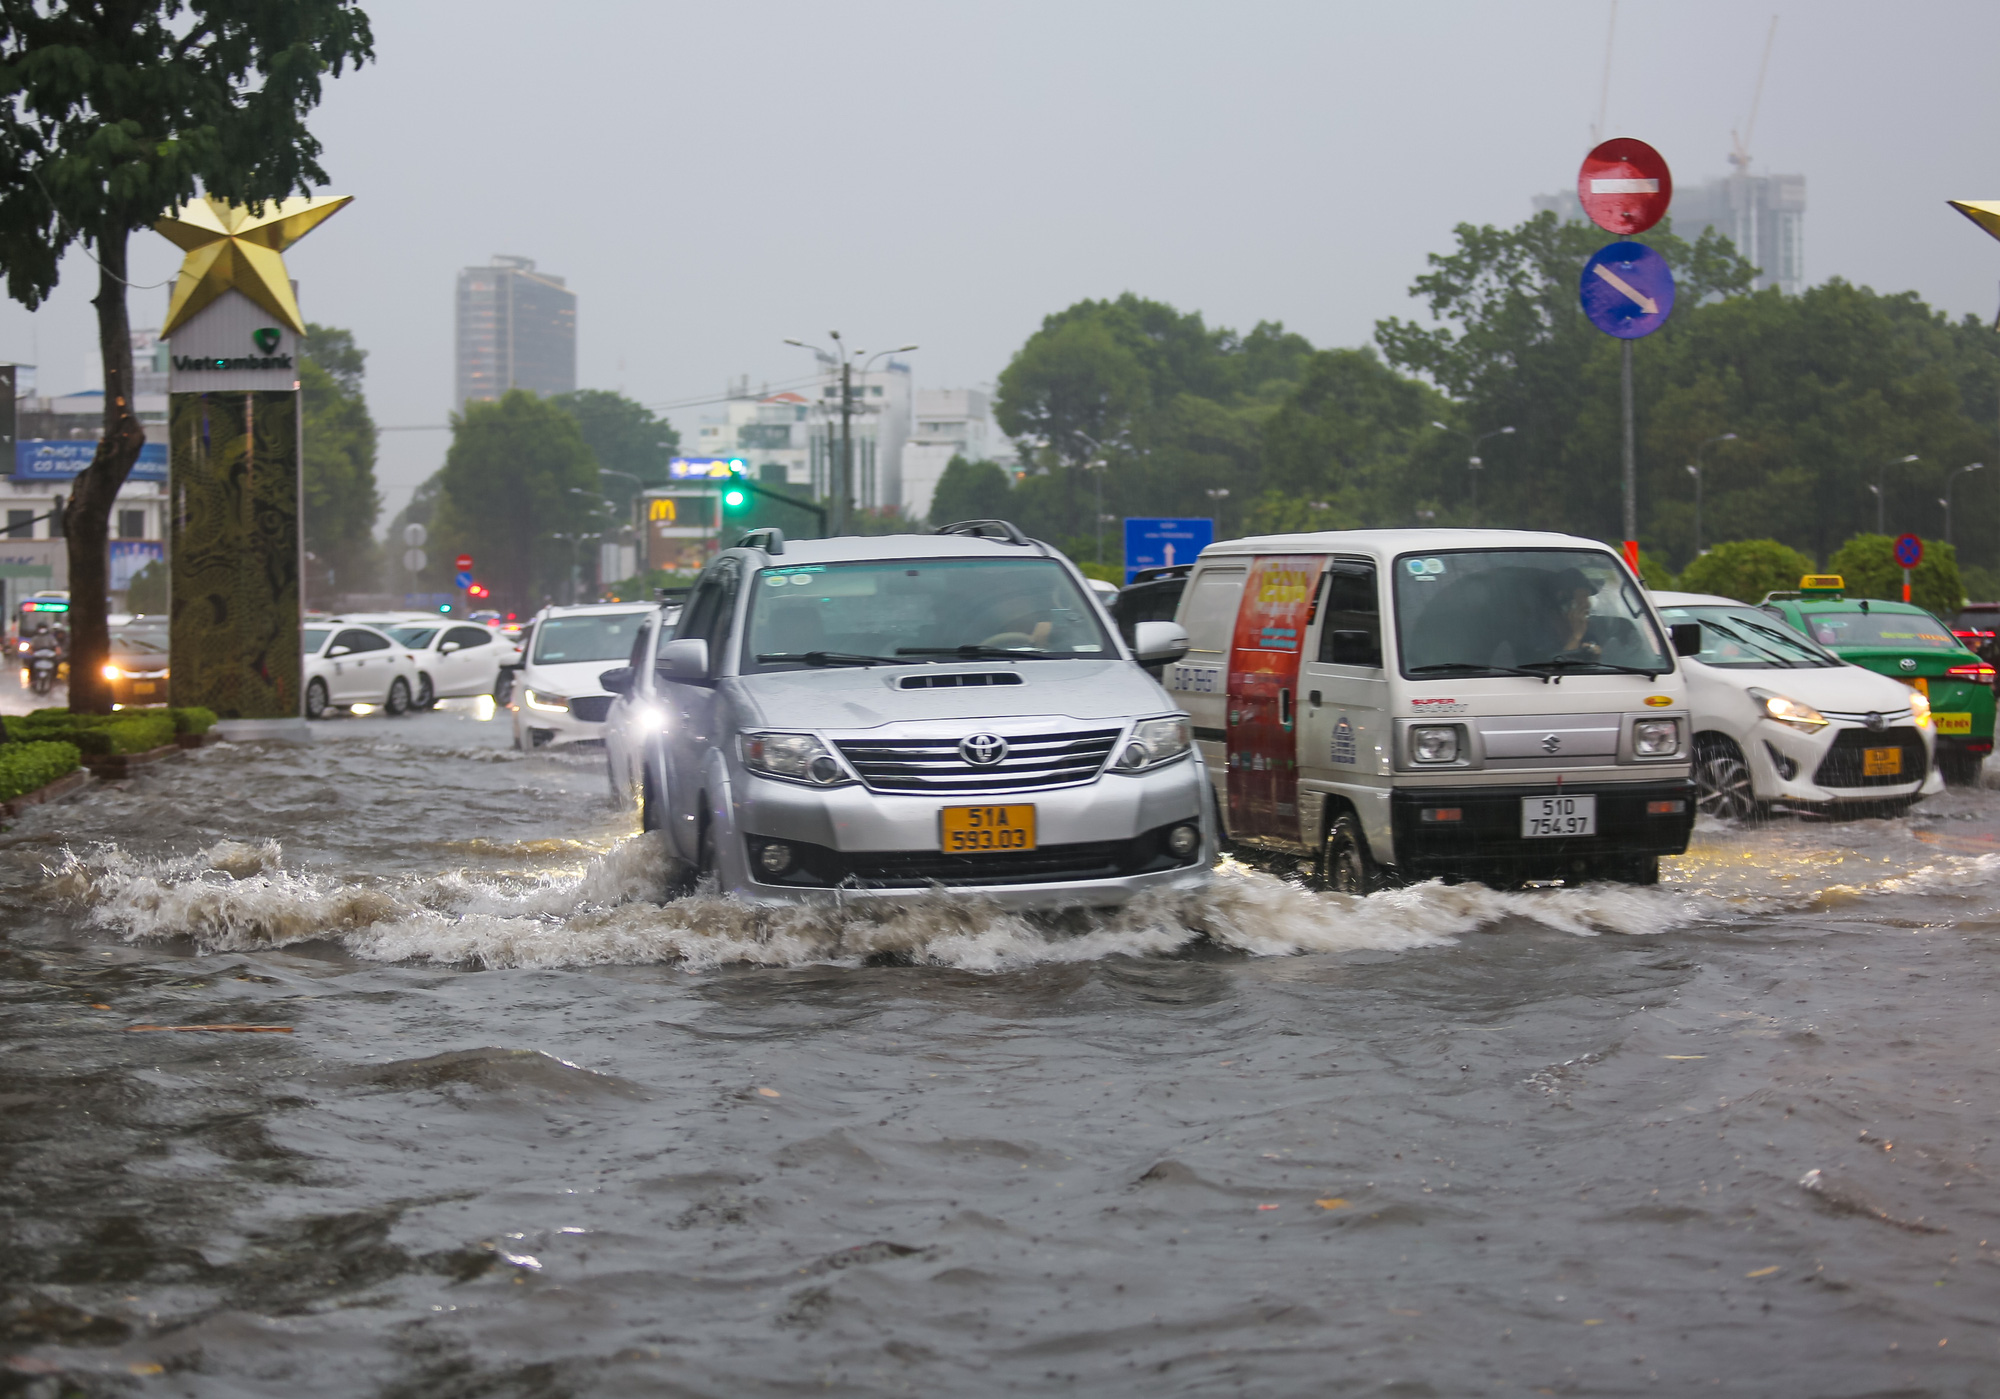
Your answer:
<point x="1566" y="625"/>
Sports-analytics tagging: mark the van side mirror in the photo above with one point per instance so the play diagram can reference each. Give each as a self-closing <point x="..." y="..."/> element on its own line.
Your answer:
<point x="1356" y="648"/>
<point x="1687" y="638"/>
<point x="618" y="682"/>
<point x="685" y="659"/>
<point x="1159" y="643"/>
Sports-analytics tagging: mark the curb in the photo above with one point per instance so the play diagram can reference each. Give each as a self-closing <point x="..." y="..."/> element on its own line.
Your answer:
<point x="53" y="791"/>
<point x="112" y="766"/>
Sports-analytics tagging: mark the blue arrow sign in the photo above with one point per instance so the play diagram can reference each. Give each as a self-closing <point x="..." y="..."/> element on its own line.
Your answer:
<point x="1627" y="290"/>
<point x="465" y="580"/>
<point x="1158" y="543"/>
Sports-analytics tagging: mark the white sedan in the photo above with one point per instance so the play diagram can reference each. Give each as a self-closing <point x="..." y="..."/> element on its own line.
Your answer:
<point x="1779" y="721"/>
<point x="454" y="659"/>
<point x="557" y="697"/>
<point x="348" y="664"/>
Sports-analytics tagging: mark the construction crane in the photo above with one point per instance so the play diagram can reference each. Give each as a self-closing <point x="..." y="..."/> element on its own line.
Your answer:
<point x="1740" y="156"/>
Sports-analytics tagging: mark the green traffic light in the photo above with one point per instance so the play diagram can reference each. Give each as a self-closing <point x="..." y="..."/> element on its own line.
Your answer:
<point x="733" y="498"/>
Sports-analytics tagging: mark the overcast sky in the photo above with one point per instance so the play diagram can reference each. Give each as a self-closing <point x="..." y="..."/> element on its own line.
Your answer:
<point x="711" y="178"/>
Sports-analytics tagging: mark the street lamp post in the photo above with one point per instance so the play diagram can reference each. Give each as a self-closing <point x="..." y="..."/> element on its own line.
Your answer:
<point x="1694" y="470"/>
<point x="1949" y="482"/>
<point x="843" y="474"/>
<point x="1474" y="463"/>
<point x="1218" y="494"/>
<point x="1881" y="526"/>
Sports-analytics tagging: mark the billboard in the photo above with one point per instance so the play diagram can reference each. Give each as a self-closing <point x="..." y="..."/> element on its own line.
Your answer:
<point x="61" y="459"/>
<point x="682" y="468"/>
<point x="128" y="556"/>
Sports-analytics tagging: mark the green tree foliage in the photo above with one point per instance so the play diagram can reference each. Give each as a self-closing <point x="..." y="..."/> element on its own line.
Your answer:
<point x="341" y="497"/>
<point x="1353" y="445"/>
<point x="1171" y="407"/>
<point x="1867" y="564"/>
<point x="1746" y="569"/>
<point x="114" y="112"/>
<point x="147" y="591"/>
<point x="517" y="475"/>
<point x="626" y="438"/>
<point x="970" y="490"/>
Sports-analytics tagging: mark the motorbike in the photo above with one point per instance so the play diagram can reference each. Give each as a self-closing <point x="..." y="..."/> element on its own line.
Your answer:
<point x="42" y="671"/>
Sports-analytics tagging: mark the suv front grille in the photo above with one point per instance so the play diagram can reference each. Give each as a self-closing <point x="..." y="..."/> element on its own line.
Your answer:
<point x="1033" y="762"/>
<point x="816" y="867"/>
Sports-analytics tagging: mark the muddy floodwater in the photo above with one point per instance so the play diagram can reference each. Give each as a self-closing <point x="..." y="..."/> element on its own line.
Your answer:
<point x="534" y="1132"/>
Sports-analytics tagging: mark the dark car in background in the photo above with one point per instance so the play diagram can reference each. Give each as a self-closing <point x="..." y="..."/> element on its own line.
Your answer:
<point x="1977" y="626"/>
<point x="137" y="669"/>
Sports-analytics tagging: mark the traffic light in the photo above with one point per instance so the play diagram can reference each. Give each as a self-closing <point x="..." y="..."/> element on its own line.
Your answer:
<point x="734" y="494"/>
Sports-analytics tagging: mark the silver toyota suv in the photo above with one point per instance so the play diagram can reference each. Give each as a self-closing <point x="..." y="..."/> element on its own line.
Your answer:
<point x="888" y="715"/>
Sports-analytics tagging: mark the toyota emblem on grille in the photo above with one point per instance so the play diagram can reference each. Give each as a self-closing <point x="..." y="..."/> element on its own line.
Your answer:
<point x="1552" y="744"/>
<point x="982" y="750"/>
<point x="1908" y="664"/>
<point x="1875" y="722"/>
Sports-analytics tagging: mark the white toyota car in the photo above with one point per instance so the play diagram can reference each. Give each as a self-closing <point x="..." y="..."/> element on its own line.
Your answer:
<point x="556" y="695"/>
<point x="1780" y="721"/>
<point x="348" y="664"/>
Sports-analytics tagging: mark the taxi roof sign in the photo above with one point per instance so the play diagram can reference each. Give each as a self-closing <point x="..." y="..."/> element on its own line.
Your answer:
<point x="1822" y="585"/>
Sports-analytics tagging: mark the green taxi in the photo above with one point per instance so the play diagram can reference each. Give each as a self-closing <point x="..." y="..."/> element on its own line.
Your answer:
<point x="1901" y="640"/>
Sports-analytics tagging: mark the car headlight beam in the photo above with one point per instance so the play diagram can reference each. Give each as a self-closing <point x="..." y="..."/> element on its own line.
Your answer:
<point x="1789" y="711"/>
<point x="1920" y="708"/>
<point x="547" y="703"/>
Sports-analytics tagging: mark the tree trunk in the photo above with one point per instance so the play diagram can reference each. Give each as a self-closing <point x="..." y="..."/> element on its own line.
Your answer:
<point x="95" y="490"/>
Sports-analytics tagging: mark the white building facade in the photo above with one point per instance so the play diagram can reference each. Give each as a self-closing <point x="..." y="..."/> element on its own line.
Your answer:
<point x="948" y="423"/>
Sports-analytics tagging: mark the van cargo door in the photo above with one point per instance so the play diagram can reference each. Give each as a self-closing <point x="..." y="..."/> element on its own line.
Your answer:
<point x="1263" y="695"/>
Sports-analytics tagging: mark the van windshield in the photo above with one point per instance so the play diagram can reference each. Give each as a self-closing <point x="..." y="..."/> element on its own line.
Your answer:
<point x="1537" y="611"/>
<point x="909" y="611"/>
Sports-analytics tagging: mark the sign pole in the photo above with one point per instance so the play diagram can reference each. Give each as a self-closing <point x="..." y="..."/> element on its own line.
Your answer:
<point x="1631" y="452"/>
<point x="1906" y="585"/>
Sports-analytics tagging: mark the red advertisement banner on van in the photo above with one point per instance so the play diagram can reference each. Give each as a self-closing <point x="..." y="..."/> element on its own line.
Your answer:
<point x="1271" y="625"/>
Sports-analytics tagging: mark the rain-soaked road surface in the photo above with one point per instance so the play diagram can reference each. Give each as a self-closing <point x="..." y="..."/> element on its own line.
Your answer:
<point x="534" y="1134"/>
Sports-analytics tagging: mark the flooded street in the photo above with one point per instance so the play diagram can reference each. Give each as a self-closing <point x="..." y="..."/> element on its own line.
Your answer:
<point x="533" y="1132"/>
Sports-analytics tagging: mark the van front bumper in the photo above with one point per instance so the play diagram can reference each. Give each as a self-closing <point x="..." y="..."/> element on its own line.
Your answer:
<point x="1097" y="843"/>
<point x="1486" y="841"/>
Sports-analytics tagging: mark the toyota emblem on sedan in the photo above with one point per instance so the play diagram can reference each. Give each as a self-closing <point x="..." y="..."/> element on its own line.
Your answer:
<point x="982" y="750"/>
<point x="1875" y="722"/>
<point x="1552" y="744"/>
<point x="1908" y="664"/>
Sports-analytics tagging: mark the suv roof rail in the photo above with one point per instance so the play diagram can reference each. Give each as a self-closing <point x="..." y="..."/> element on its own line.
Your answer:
<point x="987" y="529"/>
<point x="1154" y="575"/>
<point x="770" y="539"/>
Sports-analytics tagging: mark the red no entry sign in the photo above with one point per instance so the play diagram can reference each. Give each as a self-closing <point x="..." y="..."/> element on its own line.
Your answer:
<point x="1625" y="186"/>
<point x="464" y="562"/>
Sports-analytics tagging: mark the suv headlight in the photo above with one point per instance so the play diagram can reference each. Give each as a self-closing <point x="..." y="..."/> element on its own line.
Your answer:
<point x="543" y="700"/>
<point x="1656" y="738"/>
<point x="1156" y="741"/>
<point x="1787" y="710"/>
<point x="1434" y="743"/>
<point x="793" y="757"/>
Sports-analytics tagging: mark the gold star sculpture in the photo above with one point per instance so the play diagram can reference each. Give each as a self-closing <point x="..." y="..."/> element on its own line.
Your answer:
<point x="229" y="246"/>
<point x="1984" y="212"/>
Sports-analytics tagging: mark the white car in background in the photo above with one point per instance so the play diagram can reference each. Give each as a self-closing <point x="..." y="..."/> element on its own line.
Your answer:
<point x="1780" y="721"/>
<point x="556" y="695"/>
<point x="454" y="659"/>
<point x="347" y="663"/>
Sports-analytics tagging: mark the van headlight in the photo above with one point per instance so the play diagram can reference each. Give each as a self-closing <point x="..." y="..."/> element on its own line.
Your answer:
<point x="1656" y="738"/>
<point x="1434" y="743"/>
<point x="546" y="702"/>
<point x="793" y="757"/>
<point x="1156" y="741"/>
<point x="1787" y="710"/>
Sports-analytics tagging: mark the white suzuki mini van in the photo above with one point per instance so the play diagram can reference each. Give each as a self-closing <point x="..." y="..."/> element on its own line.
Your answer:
<point x="1403" y="704"/>
<point x="893" y="715"/>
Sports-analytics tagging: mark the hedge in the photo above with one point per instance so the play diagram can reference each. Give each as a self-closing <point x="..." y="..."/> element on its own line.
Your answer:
<point x="26" y="766"/>
<point x="189" y="720"/>
<point x="98" y="735"/>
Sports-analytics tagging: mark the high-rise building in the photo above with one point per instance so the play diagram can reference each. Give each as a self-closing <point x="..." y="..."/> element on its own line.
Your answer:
<point x="1763" y="215"/>
<point x="948" y="423"/>
<point x="516" y="330"/>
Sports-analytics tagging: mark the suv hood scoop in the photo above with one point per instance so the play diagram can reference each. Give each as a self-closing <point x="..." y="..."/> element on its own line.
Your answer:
<point x="951" y="680"/>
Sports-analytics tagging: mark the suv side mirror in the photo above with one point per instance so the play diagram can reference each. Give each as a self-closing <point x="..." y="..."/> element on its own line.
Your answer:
<point x="685" y="659"/>
<point x="1159" y="643"/>
<point x="618" y="682"/>
<point x="1687" y="638"/>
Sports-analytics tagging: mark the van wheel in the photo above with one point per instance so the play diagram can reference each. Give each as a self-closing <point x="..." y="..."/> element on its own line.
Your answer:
<point x="316" y="702"/>
<point x="1634" y="869"/>
<point x="1344" y="863"/>
<point x="1722" y="780"/>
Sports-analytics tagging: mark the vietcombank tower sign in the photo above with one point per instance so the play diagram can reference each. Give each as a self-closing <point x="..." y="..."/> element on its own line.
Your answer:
<point x="234" y="528"/>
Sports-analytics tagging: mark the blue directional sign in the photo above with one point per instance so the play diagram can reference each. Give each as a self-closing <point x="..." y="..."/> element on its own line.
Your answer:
<point x="1157" y="543"/>
<point x="1627" y="291"/>
<point x="465" y="580"/>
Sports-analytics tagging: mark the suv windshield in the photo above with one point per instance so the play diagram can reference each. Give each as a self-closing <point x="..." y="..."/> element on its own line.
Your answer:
<point x="1741" y="638"/>
<point x="589" y="636"/>
<point x="1462" y="612"/>
<point x="916" y="610"/>
<point x="1896" y="631"/>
